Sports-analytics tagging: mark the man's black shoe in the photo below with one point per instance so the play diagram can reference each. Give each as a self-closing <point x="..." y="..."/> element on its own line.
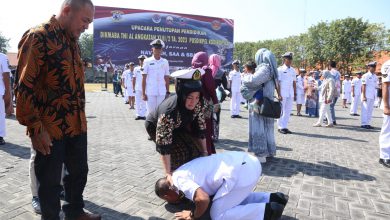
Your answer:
<point x="334" y="123"/>
<point x="238" y="116"/>
<point x="36" y="205"/>
<point x="138" y="118"/>
<point x="143" y="118"/>
<point x="364" y="126"/>
<point x="233" y="116"/>
<point x="385" y="162"/>
<point x="279" y="197"/>
<point x="370" y="127"/>
<point x="282" y="131"/>
<point x="273" y="211"/>
<point x="2" y="142"/>
<point x="288" y="131"/>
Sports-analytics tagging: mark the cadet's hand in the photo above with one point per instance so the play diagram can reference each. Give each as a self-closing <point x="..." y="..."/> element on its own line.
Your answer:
<point x="280" y="98"/>
<point x="216" y="107"/>
<point x="41" y="142"/>
<point x="364" y="99"/>
<point x="145" y="97"/>
<point x="295" y="98"/>
<point x="183" y="215"/>
<point x="353" y="95"/>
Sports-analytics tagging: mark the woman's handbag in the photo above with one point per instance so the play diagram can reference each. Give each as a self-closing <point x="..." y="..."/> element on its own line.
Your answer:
<point x="270" y="108"/>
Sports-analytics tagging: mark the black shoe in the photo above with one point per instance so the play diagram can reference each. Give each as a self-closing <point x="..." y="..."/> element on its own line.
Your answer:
<point x="334" y="123"/>
<point x="238" y="116"/>
<point x="288" y="131"/>
<point x="2" y="141"/>
<point x="273" y="211"/>
<point x="143" y="118"/>
<point x="365" y="126"/>
<point x="354" y="114"/>
<point x="138" y="118"/>
<point x="233" y="116"/>
<point x="279" y="197"/>
<point x="369" y="127"/>
<point x="282" y="131"/>
<point x="36" y="205"/>
<point x="385" y="162"/>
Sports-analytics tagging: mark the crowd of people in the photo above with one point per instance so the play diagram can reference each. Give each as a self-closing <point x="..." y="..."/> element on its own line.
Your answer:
<point x="184" y="124"/>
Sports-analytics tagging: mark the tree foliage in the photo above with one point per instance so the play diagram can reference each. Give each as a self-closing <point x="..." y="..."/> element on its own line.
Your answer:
<point x="349" y="41"/>
<point x="86" y="46"/>
<point x="4" y="45"/>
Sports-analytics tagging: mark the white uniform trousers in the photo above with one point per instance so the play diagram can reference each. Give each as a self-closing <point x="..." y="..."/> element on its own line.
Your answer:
<point x="287" y="104"/>
<point x="384" y="138"/>
<point x="33" y="178"/>
<point x="325" y="111"/>
<point x="241" y="203"/>
<point x="140" y="105"/>
<point x="153" y="102"/>
<point x="2" y="117"/>
<point x="367" y="108"/>
<point x="355" y="104"/>
<point x="300" y="99"/>
<point x="235" y="103"/>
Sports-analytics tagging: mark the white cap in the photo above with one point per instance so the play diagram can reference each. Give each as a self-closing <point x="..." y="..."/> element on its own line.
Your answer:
<point x="195" y="74"/>
<point x="158" y="43"/>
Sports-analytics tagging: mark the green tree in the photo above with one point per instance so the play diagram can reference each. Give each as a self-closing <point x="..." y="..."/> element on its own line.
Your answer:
<point x="86" y="46"/>
<point x="4" y="45"/>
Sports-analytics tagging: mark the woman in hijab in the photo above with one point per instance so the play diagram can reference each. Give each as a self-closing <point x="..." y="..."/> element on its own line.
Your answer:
<point x="261" y="129"/>
<point x="311" y="88"/>
<point x="328" y="92"/>
<point x="178" y="125"/>
<point x="200" y="60"/>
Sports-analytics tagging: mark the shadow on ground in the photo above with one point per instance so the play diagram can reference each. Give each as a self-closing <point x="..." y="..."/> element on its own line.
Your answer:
<point x="16" y="150"/>
<point x="111" y="214"/>
<point x="283" y="167"/>
<point x="329" y="137"/>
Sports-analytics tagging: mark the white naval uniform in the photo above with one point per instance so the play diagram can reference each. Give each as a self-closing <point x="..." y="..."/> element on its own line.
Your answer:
<point x="357" y="88"/>
<point x="128" y="82"/>
<point x="235" y="78"/>
<point x="370" y="80"/>
<point x="384" y="137"/>
<point x="347" y="88"/>
<point x="140" y="104"/>
<point x="300" y="90"/>
<point x="3" y="69"/>
<point x="286" y="77"/>
<point x="156" y="70"/>
<point x="231" y="178"/>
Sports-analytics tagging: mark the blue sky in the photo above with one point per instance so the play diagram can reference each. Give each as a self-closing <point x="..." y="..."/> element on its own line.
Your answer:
<point x="254" y="19"/>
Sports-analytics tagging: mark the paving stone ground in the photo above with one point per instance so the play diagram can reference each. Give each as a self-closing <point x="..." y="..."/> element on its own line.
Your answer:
<point x="329" y="173"/>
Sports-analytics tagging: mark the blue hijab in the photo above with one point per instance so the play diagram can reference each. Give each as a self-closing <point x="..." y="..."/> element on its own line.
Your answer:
<point x="266" y="57"/>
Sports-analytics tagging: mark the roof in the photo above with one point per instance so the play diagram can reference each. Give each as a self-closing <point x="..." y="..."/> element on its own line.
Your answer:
<point x="13" y="59"/>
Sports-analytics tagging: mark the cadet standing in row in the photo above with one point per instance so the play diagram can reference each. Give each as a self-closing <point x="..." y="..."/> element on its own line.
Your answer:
<point x="369" y="82"/>
<point x="287" y="80"/>
<point x="356" y="92"/>
<point x="300" y="90"/>
<point x="140" y="105"/>
<point x="346" y="90"/>
<point x="4" y="92"/>
<point x="155" y="78"/>
<point x="384" y="137"/>
<point x="235" y="82"/>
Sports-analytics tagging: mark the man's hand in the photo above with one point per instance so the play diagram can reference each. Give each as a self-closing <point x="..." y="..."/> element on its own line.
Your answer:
<point x="353" y="94"/>
<point x="295" y="97"/>
<point x="386" y="111"/>
<point x="144" y="97"/>
<point x="280" y="98"/>
<point x="169" y="179"/>
<point x="7" y="99"/>
<point x="41" y="142"/>
<point x="183" y="215"/>
<point x="364" y="99"/>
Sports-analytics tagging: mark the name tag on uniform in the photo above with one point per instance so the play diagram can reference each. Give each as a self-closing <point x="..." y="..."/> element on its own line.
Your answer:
<point x="151" y="64"/>
<point x="284" y="72"/>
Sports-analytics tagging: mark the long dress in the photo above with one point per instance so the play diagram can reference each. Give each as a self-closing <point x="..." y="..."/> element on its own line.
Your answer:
<point x="261" y="129"/>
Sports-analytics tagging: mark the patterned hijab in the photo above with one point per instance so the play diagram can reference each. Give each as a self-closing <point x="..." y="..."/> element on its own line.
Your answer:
<point x="215" y="63"/>
<point x="266" y="57"/>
